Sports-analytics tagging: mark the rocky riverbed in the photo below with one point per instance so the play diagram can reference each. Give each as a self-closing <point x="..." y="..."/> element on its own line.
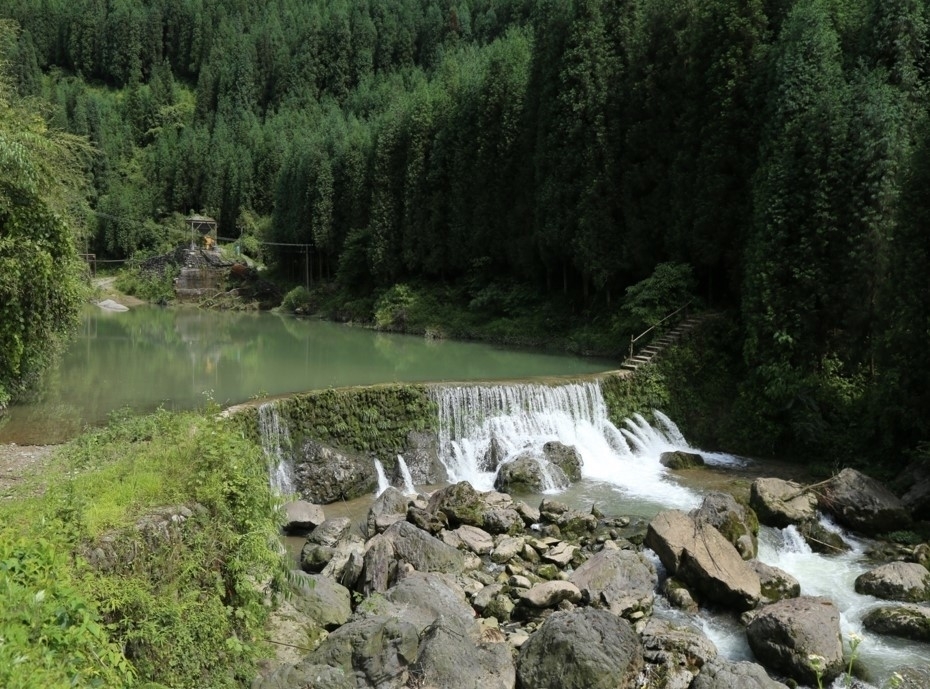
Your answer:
<point x="467" y="589"/>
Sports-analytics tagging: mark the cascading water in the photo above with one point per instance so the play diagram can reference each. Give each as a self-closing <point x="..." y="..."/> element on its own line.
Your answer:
<point x="383" y="482"/>
<point x="276" y="442"/>
<point x="409" y="488"/>
<point x="477" y="423"/>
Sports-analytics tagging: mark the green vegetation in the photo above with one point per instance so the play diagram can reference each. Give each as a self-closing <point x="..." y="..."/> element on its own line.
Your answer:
<point x="157" y="287"/>
<point x="509" y="169"/>
<point x="106" y="586"/>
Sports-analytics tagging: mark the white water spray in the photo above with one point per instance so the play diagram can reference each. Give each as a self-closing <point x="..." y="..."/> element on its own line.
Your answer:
<point x="276" y="443"/>
<point x="481" y="427"/>
<point x="383" y="482"/>
<point x="409" y="488"/>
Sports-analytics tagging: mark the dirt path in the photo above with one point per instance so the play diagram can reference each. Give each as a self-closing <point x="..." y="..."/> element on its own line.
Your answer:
<point x="20" y="461"/>
<point x="106" y="289"/>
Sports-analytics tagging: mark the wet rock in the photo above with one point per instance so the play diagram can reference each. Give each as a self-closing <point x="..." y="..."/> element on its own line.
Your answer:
<point x="914" y="677"/>
<point x="679" y="596"/>
<point x="525" y="474"/>
<point x="781" y="503"/>
<point x="776" y="583"/>
<point x="679" y="651"/>
<point x="785" y="635"/>
<point x="681" y="460"/>
<point x="622" y="581"/>
<point x="324" y="475"/>
<point x="582" y="649"/>
<point x="738" y="523"/>
<point x="701" y="557"/>
<point x="494" y="455"/>
<point x="565" y="457"/>
<point x="903" y="581"/>
<point x="907" y="621"/>
<point x="422" y="458"/>
<point x="862" y="503"/>
<point x="720" y="673"/>
<point x="821" y="539"/>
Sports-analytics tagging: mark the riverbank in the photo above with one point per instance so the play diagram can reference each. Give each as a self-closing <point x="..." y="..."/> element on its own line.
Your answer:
<point x="21" y="462"/>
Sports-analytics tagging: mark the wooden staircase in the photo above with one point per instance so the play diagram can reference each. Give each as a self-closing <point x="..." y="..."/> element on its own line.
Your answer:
<point x="657" y="346"/>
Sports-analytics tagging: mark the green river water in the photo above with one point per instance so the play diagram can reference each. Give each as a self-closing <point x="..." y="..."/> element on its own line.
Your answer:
<point x="180" y="358"/>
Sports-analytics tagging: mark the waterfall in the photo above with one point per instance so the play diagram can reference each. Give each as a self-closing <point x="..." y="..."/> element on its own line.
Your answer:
<point x="409" y="488"/>
<point x="276" y="442"/>
<point x="481" y="426"/>
<point x="383" y="482"/>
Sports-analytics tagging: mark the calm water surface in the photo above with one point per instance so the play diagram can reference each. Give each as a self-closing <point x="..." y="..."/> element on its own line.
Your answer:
<point x="179" y="357"/>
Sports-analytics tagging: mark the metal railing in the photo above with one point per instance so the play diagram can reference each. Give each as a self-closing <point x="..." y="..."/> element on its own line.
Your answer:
<point x="634" y="340"/>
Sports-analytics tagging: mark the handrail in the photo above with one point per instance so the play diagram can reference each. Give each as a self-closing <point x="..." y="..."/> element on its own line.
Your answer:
<point x="656" y="325"/>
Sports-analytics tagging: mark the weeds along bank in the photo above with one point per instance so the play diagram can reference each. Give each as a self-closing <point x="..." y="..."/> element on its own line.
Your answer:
<point x="140" y="557"/>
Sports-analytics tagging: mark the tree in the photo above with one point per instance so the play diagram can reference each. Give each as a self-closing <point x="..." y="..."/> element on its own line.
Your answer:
<point x="40" y="274"/>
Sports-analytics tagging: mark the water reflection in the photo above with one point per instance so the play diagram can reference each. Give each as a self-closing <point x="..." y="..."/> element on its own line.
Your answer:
<point x="151" y="356"/>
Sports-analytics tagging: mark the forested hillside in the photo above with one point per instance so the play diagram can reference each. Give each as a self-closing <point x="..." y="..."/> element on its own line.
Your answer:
<point x="506" y="149"/>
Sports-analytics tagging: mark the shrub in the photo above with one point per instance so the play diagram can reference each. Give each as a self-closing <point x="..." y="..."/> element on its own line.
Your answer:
<point x="298" y="300"/>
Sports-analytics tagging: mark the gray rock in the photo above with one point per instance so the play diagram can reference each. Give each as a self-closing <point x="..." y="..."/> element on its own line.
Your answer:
<point x="907" y="621"/>
<point x="681" y="460"/>
<point x="330" y="532"/>
<point x="494" y="455"/>
<point x="526" y="474"/>
<point x="476" y="540"/>
<point x="426" y="553"/>
<point x="387" y="508"/>
<point x="914" y="677"/>
<point x="422" y="458"/>
<point x="720" y="673"/>
<point x="460" y="503"/>
<point x="321" y="599"/>
<point x="565" y="457"/>
<point x="703" y="559"/>
<point x="350" y="550"/>
<point x="301" y="516"/>
<point x="781" y="503"/>
<point x="307" y="675"/>
<point x="679" y="651"/>
<point x="324" y="475"/>
<point x="380" y="567"/>
<point x="483" y="598"/>
<point x="821" y="539"/>
<point x="903" y="581"/>
<point x="502" y="520"/>
<point x="914" y="488"/>
<point x="585" y="648"/>
<point x="560" y="554"/>
<point x="785" y="634"/>
<point x="862" y="503"/>
<point x="315" y="557"/>
<point x="453" y="655"/>
<point x="622" y="581"/>
<point x="679" y="596"/>
<point x="550" y="593"/>
<point x="776" y="583"/>
<point x="431" y="522"/>
<point x="376" y="650"/>
<point x="422" y="597"/>
<point x="736" y="522"/>
<point x="530" y="515"/>
<point x="506" y="548"/>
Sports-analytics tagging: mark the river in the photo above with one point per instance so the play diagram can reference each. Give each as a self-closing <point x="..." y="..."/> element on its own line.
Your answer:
<point x="181" y="358"/>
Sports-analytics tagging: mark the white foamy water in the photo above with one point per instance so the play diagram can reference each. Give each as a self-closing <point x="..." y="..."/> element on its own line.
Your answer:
<point x="276" y="443"/>
<point x="476" y="421"/>
<point x="404" y="470"/>
<point x="383" y="482"/>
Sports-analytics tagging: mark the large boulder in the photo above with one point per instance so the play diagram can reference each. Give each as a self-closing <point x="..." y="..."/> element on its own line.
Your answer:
<point x="307" y="674"/>
<point x="736" y="522"/>
<point x="323" y="542"/>
<point x="378" y="651"/>
<point x="565" y="457"/>
<point x="548" y="594"/>
<point x="528" y="474"/>
<point x="781" y="503"/>
<point x="675" y="653"/>
<point x="585" y="648"/>
<point x="914" y="678"/>
<point x="622" y="581"/>
<point x="321" y="599"/>
<point x="720" y="673"/>
<point x="680" y="459"/>
<point x="862" y="503"/>
<point x="907" y="621"/>
<point x="821" y="539"/>
<point x="903" y="581"/>
<point x="422" y="458"/>
<point x="462" y="504"/>
<point x="789" y="636"/>
<point x="423" y="597"/>
<point x="457" y="656"/>
<point x="324" y="475"/>
<point x="776" y="583"/>
<point x="424" y="552"/>
<point x="387" y="508"/>
<point x="301" y="516"/>
<point x="913" y="485"/>
<point x="703" y="559"/>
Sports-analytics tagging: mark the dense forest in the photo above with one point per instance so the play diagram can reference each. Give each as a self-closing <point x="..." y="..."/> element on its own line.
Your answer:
<point x="772" y="156"/>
